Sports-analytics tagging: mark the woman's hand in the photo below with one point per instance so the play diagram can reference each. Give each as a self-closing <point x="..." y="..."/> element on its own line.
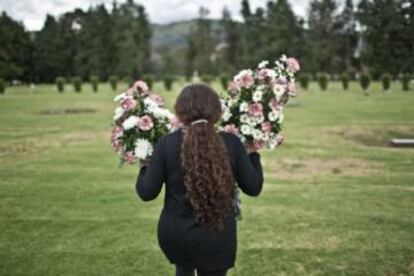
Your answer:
<point x="250" y="148"/>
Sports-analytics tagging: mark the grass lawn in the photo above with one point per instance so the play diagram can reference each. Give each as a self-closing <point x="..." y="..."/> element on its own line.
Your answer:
<point x="337" y="200"/>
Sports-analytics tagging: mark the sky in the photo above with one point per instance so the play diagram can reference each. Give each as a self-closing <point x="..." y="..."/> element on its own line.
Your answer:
<point x="33" y="12"/>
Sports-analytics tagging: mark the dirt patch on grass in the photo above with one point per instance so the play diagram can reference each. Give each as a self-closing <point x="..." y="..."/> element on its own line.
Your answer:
<point x="299" y="169"/>
<point x="23" y="148"/>
<point x="379" y="137"/>
<point x="66" y="111"/>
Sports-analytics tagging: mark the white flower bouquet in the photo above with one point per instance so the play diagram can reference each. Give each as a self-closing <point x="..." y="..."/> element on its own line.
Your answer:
<point x="253" y="109"/>
<point x="139" y="122"/>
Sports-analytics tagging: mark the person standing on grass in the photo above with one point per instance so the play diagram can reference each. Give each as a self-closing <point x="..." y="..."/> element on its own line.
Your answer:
<point x="197" y="230"/>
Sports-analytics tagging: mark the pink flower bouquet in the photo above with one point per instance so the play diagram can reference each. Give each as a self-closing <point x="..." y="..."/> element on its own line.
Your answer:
<point x="253" y="109"/>
<point x="139" y="121"/>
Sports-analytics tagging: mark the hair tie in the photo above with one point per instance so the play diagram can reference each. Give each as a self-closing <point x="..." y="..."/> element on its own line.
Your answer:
<point x="200" y="121"/>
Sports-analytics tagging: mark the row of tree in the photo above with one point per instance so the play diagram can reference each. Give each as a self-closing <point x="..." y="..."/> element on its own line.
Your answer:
<point x="377" y="36"/>
<point x="78" y="43"/>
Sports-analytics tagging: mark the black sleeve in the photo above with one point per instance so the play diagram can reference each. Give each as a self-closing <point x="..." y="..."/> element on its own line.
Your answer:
<point x="151" y="177"/>
<point x="249" y="174"/>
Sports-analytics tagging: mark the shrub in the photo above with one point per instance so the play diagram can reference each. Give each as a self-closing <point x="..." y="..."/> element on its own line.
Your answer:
<point x="2" y="86"/>
<point x="207" y="79"/>
<point x="345" y="81"/>
<point x="77" y="84"/>
<point x="386" y="81"/>
<point x="113" y="82"/>
<point x="168" y="82"/>
<point x="149" y="79"/>
<point x="405" y="80"/>
<point x="60" y="84"/>
<point x="323" y="80"/>
<point x="224" y="80"/>
<point x="304" y="80"/>
<point x="365" y="80"/>
<point x="94" y="82"/>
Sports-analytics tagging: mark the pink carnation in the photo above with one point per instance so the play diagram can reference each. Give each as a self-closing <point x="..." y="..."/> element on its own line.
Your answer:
<point x="281" y="80"/>
<point x="255" y="109"/>
<point x="292" y="88"/>
<point x="266" y="127"/>
<point x="129" y="157"/>
<point x="274" y="104"/>
<point x="145" y="123"/>
<point x="231" y="128"/>
<point x="157" y="99"/>
<point x="175" y="122"/>
<point x="246" y="80"/>
<point x="128" y="104"/>
<point x="293" y="64"/>
<point x="263" y="74"/>
<point x="142" y="87"/>
<point x="279" y="139"/>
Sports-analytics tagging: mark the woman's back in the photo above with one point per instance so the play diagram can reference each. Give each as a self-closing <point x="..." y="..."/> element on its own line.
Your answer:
<point x="181" y="237"/>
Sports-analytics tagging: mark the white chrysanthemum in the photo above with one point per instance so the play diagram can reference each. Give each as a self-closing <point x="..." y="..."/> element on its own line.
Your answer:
<point x="243" y="139"/>
<point x="257" y="96"/>
<point x="260" y="119"/>
<point x="119" y="97"/>
<point x="130" y="122"/>
<point x="257" y="134"/>
<point x="119" y="111"/>
<point x="251" y="121"/>
<point x="283" y="58"/>
<point x="244" y="119"/>
<point x="278" y="90"/>
<point x="150" y="103"/>
<point x="272" y="143"/>
<point x="273" y="115"/>
<point x="244" y="107"/>
<point x="264" y="136"/>
<point x="160" y="113"/>
<point x="143" y="148"/>
<point x="246" y="130"/>
<point x="226" y="116"/>
<point x="263" y="64"/>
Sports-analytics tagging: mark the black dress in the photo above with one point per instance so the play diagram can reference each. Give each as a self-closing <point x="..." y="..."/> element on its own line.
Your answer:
<point x="184" y="241"/>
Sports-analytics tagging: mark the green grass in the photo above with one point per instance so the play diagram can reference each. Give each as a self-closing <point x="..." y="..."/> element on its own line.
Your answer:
<point x="336" y="201"/>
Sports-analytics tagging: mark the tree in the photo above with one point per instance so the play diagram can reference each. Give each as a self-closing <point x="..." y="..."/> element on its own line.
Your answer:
<point x="230" y="58"/>
<point x="321" y="35"/>
<point x="387" y="34"/>
<point x="15" y="49"/>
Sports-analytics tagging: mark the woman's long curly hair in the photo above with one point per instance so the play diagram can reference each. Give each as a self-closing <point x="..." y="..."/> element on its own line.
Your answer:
<point x="208" y="176"/>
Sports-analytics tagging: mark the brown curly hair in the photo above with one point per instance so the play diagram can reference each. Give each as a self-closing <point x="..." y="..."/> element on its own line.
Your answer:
<point x="208" y="176"/>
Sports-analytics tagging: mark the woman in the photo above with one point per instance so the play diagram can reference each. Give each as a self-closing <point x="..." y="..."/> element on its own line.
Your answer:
<point x="197" y="227"/>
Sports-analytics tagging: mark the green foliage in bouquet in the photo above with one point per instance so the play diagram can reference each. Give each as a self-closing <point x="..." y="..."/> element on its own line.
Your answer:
<point x="304" y="80"/>
<point x="365" y="80"/>
<point x="405" y="80"/>
<point x="207" y="79"/>
<point x="345" y="80"/>
<point x="386" y="81"/>
<point x="60" y="84"/>
<point x="323" y="80"/>
<point x="168" y="82"/>
<point x="224" y="81"/>
<point x="2" y="86"/>
<point x="94" y="82"/>
<point x="149" y="79"/>
<point x="113" y="82"/>
<point x="77" y="84"/>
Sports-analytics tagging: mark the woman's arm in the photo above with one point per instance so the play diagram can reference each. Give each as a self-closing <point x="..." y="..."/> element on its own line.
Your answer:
<point x="249" y="173"/>
<point x="151" y="176"/>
